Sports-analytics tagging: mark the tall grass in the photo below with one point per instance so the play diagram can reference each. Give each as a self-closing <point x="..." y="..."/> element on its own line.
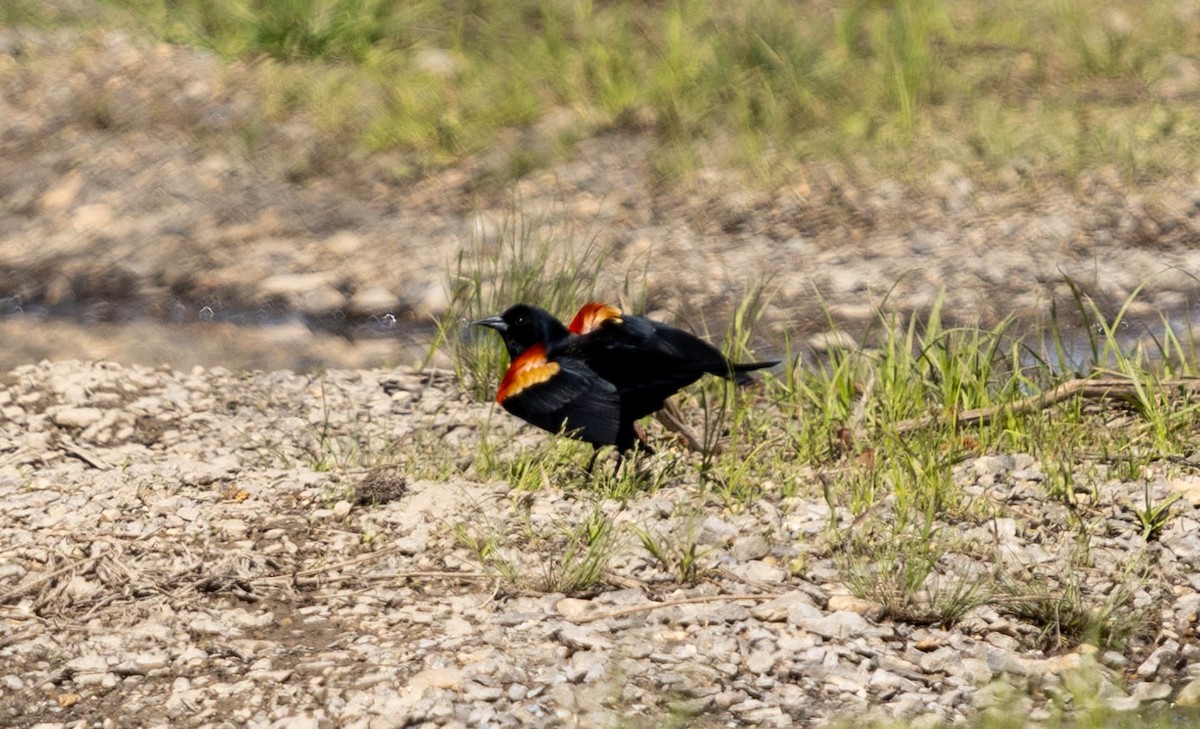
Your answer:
<point x="522" y="259"/>
<point x="881" y="428"/>
<point x="1010" y="86"/>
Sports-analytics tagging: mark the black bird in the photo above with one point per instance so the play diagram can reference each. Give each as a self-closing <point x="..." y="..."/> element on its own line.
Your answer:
<point x="548" y="385"/>
<point x="606" y="367"/>
<point x="647" y="360"/>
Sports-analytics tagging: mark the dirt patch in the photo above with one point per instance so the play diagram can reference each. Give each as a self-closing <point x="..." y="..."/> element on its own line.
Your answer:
<point x="159" y="214"/>
<point x="221" y="575"/>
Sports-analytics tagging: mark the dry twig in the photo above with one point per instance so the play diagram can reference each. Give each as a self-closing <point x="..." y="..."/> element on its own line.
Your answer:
<point x="1094" y="389"/>
<point x="623" y="612"/>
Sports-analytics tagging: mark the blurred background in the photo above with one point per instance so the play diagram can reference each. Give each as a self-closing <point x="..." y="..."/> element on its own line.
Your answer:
<point x="303" y="184"/>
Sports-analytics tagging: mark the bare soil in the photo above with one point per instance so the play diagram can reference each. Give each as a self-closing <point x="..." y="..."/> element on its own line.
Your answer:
<point x="143" y="185"/>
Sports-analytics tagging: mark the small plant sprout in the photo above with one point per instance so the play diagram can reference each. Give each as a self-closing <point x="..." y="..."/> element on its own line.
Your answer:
<point x="1154" y="517"/>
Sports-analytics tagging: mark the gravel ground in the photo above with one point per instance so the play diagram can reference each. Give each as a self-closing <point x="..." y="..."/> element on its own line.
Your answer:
<point x="207" y="548"/>
<point x="200" y="547"/>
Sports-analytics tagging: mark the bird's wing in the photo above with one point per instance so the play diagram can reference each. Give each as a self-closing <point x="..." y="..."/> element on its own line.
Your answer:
<point x="635" y="351"/>
<point x="592" y="315"/>
<point x="561" y="394"/>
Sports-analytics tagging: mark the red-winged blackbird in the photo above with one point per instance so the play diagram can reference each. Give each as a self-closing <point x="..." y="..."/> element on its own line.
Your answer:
<point x="598" y="377"/>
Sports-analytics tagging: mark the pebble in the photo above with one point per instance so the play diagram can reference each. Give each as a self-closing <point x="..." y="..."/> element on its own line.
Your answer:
<point x="582" y="638"/>
<point x="760" y="572"/>
<point x="778" y="609"/>
<point x="1189" y="695"/>
<point x="865" y="608"/>
<point x="1162" y="656"/>
<point x="838" y="626"/>
<point x="753" y="547"/>
<point x="76" y="417"/>
<point x="716" y="531"/>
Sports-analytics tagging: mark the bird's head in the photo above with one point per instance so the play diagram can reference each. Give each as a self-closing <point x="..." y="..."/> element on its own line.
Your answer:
<point x="523" y="326"/>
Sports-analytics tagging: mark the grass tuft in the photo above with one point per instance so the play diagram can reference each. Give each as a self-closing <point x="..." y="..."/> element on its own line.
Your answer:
<point x="522" y="259"/>
<point x="1009" y="91"/>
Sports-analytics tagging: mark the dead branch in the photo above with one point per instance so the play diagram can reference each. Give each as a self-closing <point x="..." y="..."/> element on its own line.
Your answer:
<point x="1092" y="389"/>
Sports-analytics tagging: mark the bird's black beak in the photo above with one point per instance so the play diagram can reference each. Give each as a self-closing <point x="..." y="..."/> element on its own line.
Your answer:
<point x="492" y="322"/>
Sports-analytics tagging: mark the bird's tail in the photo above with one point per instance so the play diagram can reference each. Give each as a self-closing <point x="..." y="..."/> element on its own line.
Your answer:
<point x="740" y="371"/>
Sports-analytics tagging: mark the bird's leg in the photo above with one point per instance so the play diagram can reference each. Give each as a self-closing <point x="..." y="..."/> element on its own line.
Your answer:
<point x="643" y="443"/>
<point x="672" y="420"/>
<point x="592" y="463"/>
<point x="617" y="467"/>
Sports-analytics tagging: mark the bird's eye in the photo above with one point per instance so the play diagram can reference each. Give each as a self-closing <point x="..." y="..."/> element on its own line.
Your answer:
<point x="522" y="321"/>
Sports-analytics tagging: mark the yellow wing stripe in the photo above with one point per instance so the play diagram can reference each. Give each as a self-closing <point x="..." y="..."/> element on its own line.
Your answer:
<point x="531" y="368"/>
<point x="592" y="315"/>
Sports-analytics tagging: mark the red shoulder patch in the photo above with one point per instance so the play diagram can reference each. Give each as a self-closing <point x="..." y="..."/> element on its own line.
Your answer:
<point x="531" y="368"/>
<point x="592" y="315"/>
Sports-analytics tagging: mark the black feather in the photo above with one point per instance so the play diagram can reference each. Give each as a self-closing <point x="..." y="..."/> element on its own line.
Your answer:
<point x="575" y="401"/>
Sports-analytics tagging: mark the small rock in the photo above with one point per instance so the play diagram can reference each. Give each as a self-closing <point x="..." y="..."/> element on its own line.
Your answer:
<point x="455" y="626"/>
<point x="80" y="588"/>
<point x="835" y="626"/>
<point x="715" y="531"/>
<point x="478" y="692"/>
<point x="1113" y="659"/>
<point x="760" y="661"/>
<point x="77" y="417"/>
<point x="432" y="301"/>
<point x="89" y="218"/>
<point x="691" y="707"/>
<point x="1188" y="487"/>
<point x="779" y="609"/>
<point x="886" y="680"/>
<point x="92" y="663"/>
<point x="517" y="691"/>
<point x="1151" y="691"/>
<point x="587" y="666"/>
<point x="343" y="243"/>
<point x="11" y="572"/>
<point x="441" y="678"/>
<point x="711" y="613"/>
<point x="865" y="608"/>
<point x="573" y="608"/>
<point x="974" y="670"/>
<point x="436" y="62"/>
<point x="140" y="664"/>
<point x="759" y="571"/>
<point x="1122" y="703"/>
<point x="341" y="509"/>
<point x="993" y="694"/>
<point x="410" y="545"/>
<point x="1003" y="641"/>
<point x="938" y="661"/>
<point x="231" y="528"/>
<point x="1164" y="654"/>
<point x="1189" y="695"/>
<point x="296" y="284"/>
<point x="1072" y="661"/>
<point x="846" y="682"/>
<point x="749" y="548"/>
<point x="1003" y="661"/>
<point x="580" y="638"/>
